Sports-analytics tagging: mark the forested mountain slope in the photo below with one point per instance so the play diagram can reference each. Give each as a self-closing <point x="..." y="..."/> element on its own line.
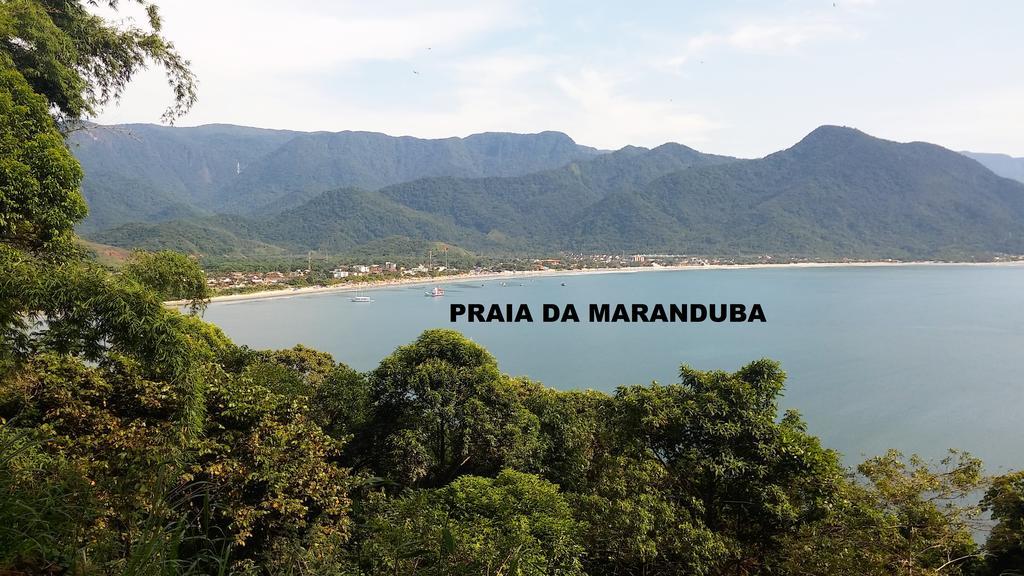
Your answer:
<point x="838" y="193"/>
<point x="149" y="173"/>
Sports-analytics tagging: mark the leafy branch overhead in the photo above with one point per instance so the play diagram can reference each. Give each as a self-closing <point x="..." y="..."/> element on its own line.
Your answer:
<point x="80" y="61"/>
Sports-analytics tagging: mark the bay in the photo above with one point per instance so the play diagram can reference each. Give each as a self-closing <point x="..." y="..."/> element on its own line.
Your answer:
<point x="919" y="358"/>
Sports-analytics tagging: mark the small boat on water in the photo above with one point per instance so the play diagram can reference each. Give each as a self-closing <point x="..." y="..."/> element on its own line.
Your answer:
<point x="361" y="299"/>
<point x="437" y="291"/>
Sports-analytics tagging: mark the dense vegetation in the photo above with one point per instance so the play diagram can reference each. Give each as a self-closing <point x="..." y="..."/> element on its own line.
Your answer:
<point x="485" y="215"/>
<point x="147" y="173"/>
<point x="838" y="193"/>
<point x="136" y="439"/>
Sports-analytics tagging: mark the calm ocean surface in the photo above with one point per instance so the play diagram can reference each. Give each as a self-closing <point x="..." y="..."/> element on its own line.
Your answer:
<point x="919" y="358"/>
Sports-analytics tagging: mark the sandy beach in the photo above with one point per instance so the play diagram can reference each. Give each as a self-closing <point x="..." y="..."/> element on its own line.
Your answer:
<point x="440" y="280"/>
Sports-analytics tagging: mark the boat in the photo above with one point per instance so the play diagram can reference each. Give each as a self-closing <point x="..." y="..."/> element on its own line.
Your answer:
<point x="361" y="299"/>
<point x="437" y="291"/>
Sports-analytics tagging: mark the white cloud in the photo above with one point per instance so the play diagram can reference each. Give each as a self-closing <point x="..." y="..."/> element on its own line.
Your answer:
<point x="257" y="60"/>
<point x="763" y="37"/>
<point x="607" y="77"/>
<point x="987" y="121"/>
<point x="606" y="117"/>
<point x="261" y="37"/>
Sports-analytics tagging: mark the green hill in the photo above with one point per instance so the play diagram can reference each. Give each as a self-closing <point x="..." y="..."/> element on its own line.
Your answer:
<point x="313" y="163"/>
<point x="838" y="193"/>
<point x="146" y="173"/>
<point x="149" y="173"/>
<point x="542" y="206"/>
<point x="520" y="213"/>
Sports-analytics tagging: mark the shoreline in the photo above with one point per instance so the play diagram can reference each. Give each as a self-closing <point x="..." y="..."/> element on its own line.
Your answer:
<point x="468" y="276"/>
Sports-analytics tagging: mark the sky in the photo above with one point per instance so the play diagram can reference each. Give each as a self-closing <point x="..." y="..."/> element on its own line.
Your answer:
<point x="744" y="78"/>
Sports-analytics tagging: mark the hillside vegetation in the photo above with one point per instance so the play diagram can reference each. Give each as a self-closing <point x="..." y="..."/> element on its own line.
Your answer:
<point x="838" y="193"/>
<point x="139" y="173"/>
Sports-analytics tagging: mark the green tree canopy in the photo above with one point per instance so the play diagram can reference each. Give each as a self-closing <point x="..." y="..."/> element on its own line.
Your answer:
<point x="897" y="515"/>
<point x="704" y="474"/>
<point x="440" y="408"/>
<point x="1005" y="546"/>
<point x="515" y="523"/>
<point x="170" y="275"/>
<point x="40" y="199"/>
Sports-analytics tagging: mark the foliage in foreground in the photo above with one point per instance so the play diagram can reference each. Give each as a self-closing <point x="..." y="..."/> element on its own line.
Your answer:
<point x="298" y="469"/>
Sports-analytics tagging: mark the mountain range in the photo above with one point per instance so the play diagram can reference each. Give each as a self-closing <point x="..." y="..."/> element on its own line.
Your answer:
<point x="224" y="190"/>
<point x="1002" y="164"/>
<point x="149" y="173"/>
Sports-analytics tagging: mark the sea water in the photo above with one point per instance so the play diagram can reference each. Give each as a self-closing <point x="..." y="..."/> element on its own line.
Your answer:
<point x="919" y="358"/>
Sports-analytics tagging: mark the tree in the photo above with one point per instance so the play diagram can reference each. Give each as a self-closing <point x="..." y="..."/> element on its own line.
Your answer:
<point x="896" y="516"/>
<point x="39" y="196"/>
<point x="260" y="487"/>
<point x="574" y="432"/>
<point x="703" y="476"/>
<point x="1005" y="545"/>
<point x="514" y="524"/>
<point x="80" y="62"/>
<point x="274" y="478"/>
<point x="42" y="501"/>
<point x="440" y="409"/>
<point x="338" y="396"/>
<point x="172" y="276"/>
<point x="57" y="57"/>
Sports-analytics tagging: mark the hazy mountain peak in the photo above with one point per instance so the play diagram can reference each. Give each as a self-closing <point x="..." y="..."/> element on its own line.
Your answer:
<point x="674" y="147"/>
<point x="832" y="135"/>
<point x="1002" y="164"/>
<point x="546" y="134"/>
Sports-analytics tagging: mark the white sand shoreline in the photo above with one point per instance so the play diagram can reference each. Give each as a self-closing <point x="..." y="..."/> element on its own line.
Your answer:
<point x="391" y="283"/>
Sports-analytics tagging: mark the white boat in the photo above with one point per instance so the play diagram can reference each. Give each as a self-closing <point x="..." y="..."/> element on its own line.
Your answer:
<point x="437" y="291"/>
<point x="361" y="299"/>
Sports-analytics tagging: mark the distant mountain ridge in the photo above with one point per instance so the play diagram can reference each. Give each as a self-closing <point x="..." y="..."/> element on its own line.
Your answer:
<point x="1002" y="164"/>
<point x="151" y="173"/>
<point x="838" y="193"/>
<point x="148" y="173"/>
<point x="484" y="214"/>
